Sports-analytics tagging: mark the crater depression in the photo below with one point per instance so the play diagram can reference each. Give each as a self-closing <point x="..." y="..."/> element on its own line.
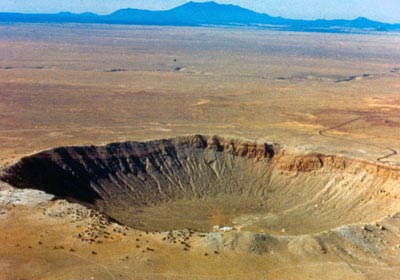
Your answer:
<point x="199" y="182"/>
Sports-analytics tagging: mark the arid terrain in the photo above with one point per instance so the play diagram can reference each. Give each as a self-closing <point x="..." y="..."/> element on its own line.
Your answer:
<point x="302" y="179"/>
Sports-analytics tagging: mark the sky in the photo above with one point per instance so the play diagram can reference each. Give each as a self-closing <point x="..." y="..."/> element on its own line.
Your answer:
<point x="381" y="10"/>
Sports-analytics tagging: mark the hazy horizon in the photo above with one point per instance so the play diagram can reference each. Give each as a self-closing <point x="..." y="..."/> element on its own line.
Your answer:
<point x="385" y="11"/>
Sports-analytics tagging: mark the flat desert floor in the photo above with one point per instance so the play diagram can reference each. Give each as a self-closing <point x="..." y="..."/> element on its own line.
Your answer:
<point x="70" y="85"/>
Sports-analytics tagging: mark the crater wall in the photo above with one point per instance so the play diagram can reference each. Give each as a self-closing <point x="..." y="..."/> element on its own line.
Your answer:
<point x="198" y="181"/>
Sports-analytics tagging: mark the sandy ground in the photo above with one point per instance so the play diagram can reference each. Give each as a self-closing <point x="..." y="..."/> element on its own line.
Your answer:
<point x="58" y="88"/>
<point x="82" y="85"/>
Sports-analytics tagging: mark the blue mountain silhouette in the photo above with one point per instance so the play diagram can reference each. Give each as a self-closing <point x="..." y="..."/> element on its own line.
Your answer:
<point x="206" y="13"/>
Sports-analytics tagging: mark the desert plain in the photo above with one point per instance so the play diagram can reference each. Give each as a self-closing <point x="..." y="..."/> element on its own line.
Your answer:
<point x="320" y="201"/>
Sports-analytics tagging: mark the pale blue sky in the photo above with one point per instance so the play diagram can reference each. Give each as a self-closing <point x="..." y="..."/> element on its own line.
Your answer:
<point x="382" y="10"/>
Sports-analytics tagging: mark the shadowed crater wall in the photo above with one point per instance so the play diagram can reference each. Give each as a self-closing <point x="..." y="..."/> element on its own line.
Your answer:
<point x="199" y="181"/>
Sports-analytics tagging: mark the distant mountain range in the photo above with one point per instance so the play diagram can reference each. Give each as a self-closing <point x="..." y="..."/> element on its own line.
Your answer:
<point x="203" y="14"/>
